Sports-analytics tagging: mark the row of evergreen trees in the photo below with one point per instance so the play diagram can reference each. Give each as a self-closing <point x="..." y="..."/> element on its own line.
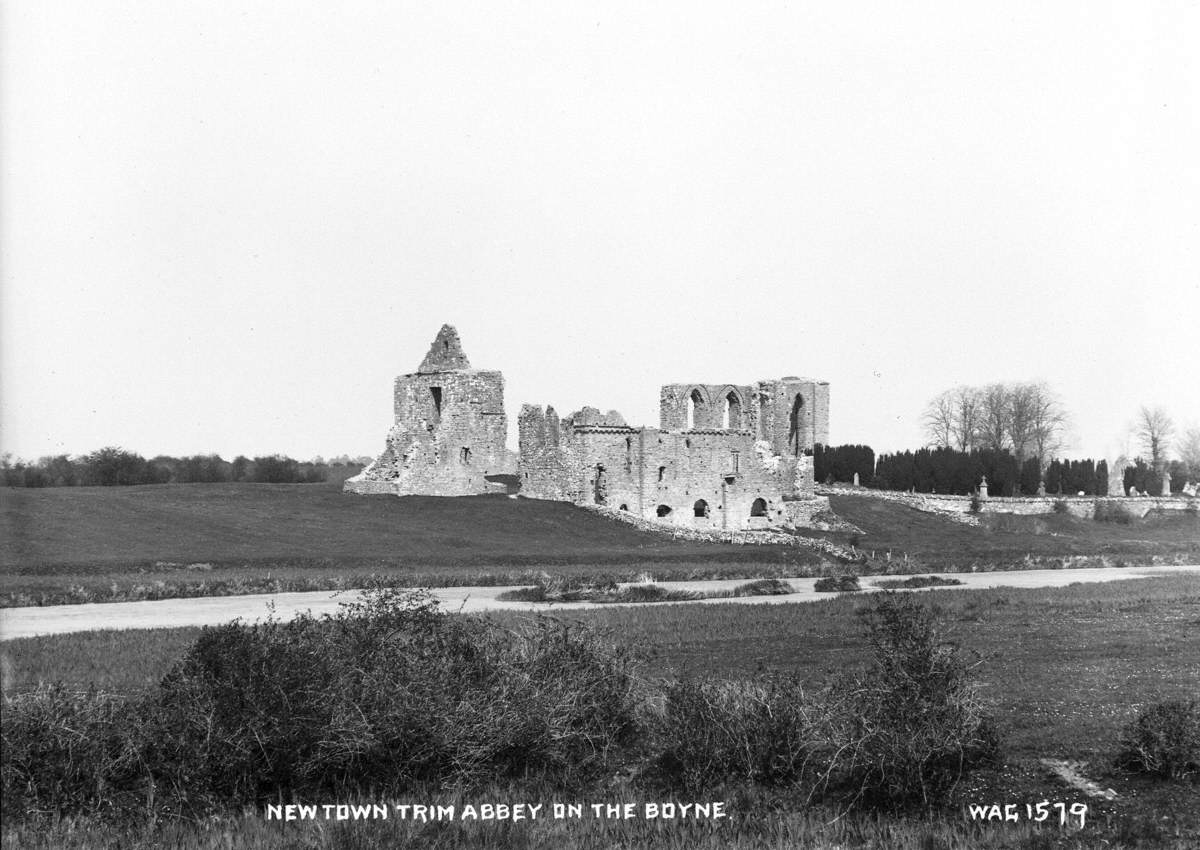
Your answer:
<point x="945" y="470"/>
<point x="840" y="463"/>
<point x="113" y="466"/>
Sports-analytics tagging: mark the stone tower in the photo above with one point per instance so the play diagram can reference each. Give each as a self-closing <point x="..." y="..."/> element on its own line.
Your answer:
<point x="449" y="432"/>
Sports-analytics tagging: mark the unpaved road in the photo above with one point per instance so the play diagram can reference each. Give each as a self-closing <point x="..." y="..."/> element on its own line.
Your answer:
<point x="214" y="610"/>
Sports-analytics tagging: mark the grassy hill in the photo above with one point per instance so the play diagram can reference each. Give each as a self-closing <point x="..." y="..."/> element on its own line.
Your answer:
<point x="88" y="544"/>
<point x="227" y="522"/>
<point x="72" y="544"/>
<point x="1001" y="539"/>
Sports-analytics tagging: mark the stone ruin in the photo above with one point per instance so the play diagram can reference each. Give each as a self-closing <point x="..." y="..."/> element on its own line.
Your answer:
<point x="724" y="456"/>
<point x="450" y="431"/>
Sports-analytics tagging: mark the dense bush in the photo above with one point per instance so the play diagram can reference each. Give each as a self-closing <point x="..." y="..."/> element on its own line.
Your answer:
<point x="73" y="751"/>
<point x="387" y="695"/>
<point x="767" y="731"/>
<point x="836" y="584"/>
<point x="1164" y="740"/>
<point x="764" y="587"/>
<point x="1110" y="511"/>
<point x="901" y="735"/>
<point x="917" y="721"/>
<point x="917" y="581"/>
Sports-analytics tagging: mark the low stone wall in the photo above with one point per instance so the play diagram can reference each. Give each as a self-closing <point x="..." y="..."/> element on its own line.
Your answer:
<point x="369" y="487"/>
<point x="740" y="538"/>
<point x="960" y="506"/>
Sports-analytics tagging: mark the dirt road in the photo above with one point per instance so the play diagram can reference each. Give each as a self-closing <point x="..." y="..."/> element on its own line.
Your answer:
<point x="214" y="610"/>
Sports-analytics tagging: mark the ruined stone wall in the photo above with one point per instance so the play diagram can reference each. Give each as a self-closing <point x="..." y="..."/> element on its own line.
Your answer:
<point x="711" y="407"/>
<point x="722" y="470"/>
<point x="731" y="480"/>
<point x="449" y="431"/>
<point x="1083" y="507"/>
<point x="549" y="465"/>
<point x="793" y="414"/>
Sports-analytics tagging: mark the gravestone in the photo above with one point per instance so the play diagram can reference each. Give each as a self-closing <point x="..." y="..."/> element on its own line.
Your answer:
<point x="1116" y="477"/>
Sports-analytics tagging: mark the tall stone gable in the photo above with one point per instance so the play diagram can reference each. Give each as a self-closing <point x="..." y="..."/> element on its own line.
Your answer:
<point x="448" y="436"/>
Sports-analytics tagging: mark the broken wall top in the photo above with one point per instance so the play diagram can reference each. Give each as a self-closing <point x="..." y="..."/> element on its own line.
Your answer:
<point x="445" y="354"/>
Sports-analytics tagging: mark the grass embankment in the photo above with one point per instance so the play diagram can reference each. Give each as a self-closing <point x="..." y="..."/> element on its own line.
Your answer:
<point x="1064" y="669"/>
<point x="109" y="544"/>
<point x="919" y="541"/>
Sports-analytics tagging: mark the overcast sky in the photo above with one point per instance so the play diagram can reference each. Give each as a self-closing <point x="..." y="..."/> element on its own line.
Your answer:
<point x="227" y="227"/>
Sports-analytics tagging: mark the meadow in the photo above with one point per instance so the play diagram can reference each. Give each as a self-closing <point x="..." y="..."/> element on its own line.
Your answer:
<point x="97" y="544"/>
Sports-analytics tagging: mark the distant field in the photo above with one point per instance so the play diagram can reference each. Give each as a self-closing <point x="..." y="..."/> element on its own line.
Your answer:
<point x="64" y="545"/>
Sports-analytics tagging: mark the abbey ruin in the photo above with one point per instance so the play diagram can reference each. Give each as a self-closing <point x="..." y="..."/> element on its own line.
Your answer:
<point x="723" y="457"/>
<point x="449" y="433"/>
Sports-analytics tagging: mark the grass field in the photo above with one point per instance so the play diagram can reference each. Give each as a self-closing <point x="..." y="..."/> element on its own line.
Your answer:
<point x="1005" y="538"/>
<point x="1064" y="668"/>
<point x="71" y="544"/>
<point x="96" y="544"/>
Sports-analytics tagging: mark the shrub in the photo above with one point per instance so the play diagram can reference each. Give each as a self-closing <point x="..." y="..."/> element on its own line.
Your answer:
<point x="764" y="587"/>
<point x="766" y="731"/>
<point x="1164" y="740"/>
<point x="67" y="750"/>
<point x="899" y="736"/>
<point x="1111" y="511"/>
<point x="916" y="721"/>
<point x="1061" y="507"/>
<point x="918" y="581"/>
<point x="837" y="584"/>
<point x="976" y="504"/>
<point x="388" y="694"/>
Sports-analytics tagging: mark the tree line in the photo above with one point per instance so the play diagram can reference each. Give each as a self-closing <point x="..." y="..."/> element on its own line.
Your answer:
<point x="113" y="466"/>
<point x="946" y="470"/>
<point x="1027" y="419"/>
<point x="841" y="463"/>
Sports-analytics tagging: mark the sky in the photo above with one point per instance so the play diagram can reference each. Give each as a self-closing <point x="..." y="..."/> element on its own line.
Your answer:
<point x="227" y="227"/>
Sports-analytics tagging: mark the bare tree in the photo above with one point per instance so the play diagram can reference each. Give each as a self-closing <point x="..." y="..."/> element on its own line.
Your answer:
<point x="1189" y="451"/>
<point x="1021" y="406"/>
<point x="1048" y="422"/>
<point x="994" y="417"/>
<point x="967" y="415"/>
<point x="1154" y="429"/>
<point x="1026" y="417"/>
<point x="938" y="419"/>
